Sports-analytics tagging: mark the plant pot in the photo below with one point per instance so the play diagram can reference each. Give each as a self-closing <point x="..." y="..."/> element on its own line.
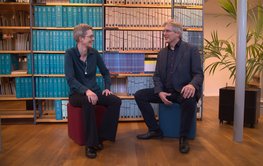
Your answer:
<point x="252" y="105"/>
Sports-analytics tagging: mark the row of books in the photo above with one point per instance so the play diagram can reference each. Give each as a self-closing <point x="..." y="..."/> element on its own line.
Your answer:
<point x="51" y="1"/>
<point x="146" y="2"/>
<point x="133" y="40"/>
<point x="124" y="63"/>
<point x="19" y="1"/>
<point x="137" y="83"/>
<point x="194" y="38"/>
<point x="70" y="1"/>
<point x="7" y="86"/>
<point x="189" y="17"/>
<point x="136" y="17"/>
<point x="129" y="109"/>
<point x="151" y="17"/>
<point x="67" y="16"/>
<point x="23" y="87"/>
<point x="156" y="2"/>
<point x="86" y="1"/>
<point x="49" y="63"/>
<point x="20" y="41"/>
<point x="56" y="40"/>
<point x="145" y="40"/>
<point x="8" y="63"/>
<point x="119" y="85"/>
<point x="17" y="18"/>
<point x="51" y="87"/>
<point x="60" y="107"/>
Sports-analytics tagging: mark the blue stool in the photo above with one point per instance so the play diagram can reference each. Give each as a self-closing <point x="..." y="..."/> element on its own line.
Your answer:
<point x="169" y="121"/>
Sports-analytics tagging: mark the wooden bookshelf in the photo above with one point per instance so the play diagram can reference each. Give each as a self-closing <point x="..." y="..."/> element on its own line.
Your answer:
<point x="61" y="28"/>
<point x="139" y="51"/>
<point x="154" y="6"/>
<point x="7" y="114"/>
<point x="15" y="51"/>
<point x="12" y="97"/>
<point x="15" y="75"/>
<point x="52" y="52"/>
<point x="51" y="98"/>
<point x="14" y="29"/>
<point x="13" y="6"/>
<point x="49" y="75"/>
<point x="69" y="4"/>
<point x="197" y="29"/>
<point x="50" y="120"/>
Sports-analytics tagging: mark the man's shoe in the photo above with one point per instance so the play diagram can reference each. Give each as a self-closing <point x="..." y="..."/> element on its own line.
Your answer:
<point x="99" y="146"/>
<point x="184" y="145"/>
<point x="91" y="152"/>
<point x="151" y="134"/>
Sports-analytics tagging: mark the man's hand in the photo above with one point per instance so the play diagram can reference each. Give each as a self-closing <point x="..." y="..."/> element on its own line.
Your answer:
<point x="163" y="96"/>
<point x="188" y="91"/>
<point x="106" y="92"/>
<point x="92" y="97"/>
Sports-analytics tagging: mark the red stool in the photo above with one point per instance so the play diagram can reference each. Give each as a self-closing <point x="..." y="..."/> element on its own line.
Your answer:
<point x="76" y="122"/>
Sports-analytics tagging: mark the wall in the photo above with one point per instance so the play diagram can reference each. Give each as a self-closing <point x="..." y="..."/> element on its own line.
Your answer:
<point x="212" y="22"/>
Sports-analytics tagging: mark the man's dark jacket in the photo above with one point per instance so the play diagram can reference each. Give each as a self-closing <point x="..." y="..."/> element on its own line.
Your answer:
<point x="187" y="69"/>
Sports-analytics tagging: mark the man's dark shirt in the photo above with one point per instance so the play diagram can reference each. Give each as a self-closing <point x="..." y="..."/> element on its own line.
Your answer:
<point x="171" y="58"/>
<point x="80" y="75"/>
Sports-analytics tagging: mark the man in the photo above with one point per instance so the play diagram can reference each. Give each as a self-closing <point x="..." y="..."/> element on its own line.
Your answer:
<point x="178" y="78"/>
<point x="80" y="69"/>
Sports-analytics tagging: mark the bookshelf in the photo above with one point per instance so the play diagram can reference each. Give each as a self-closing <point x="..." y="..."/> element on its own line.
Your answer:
<point x="125" y="30"/>
<point x="53" y="23"/>
<point x="135" y="27"/>
<point x="14" y="50"/>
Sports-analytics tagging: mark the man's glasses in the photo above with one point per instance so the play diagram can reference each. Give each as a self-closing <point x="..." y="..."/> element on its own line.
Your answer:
<point x="167" y="31"/>
<point x="90" y="36"/>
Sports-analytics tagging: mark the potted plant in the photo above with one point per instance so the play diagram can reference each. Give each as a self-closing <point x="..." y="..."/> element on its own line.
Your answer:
<point x="224" y="57"/>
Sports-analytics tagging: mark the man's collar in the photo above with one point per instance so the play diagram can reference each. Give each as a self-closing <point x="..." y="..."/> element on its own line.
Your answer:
<point x="176" y="45"/>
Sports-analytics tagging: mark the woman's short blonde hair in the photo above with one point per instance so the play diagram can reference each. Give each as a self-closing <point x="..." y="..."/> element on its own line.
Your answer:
<point x="80" y="31"/>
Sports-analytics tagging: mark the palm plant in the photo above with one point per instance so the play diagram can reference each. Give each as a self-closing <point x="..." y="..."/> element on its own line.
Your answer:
<point x="223" y="51"/>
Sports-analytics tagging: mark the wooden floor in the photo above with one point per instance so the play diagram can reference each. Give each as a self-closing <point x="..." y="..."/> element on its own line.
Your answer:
<point x="49" y="145"/>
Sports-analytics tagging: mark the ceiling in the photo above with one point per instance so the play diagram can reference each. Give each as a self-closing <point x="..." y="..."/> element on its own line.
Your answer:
<point x="212" y="6"/>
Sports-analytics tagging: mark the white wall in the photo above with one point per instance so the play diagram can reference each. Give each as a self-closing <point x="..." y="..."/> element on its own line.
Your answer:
<point x="212" y="83"/>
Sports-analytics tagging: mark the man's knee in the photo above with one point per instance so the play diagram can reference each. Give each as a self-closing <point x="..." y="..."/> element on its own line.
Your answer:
<point x="138" y="94"/>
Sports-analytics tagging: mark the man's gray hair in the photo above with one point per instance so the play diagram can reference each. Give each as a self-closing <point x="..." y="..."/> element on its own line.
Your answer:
<point x="177" y="27"/>
<point x="80" y="31"/>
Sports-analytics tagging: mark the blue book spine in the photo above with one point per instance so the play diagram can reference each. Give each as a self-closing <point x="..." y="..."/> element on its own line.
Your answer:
<point x="30" y="87"/>
<point x="59" y="85"/>
<point x="65" y="17"/>
<point x="53" y="16"/>
<point x="47" y="37"/>
<point x="44" y="13"/>
<point x="59" y="16"/>
<point x="55" y="85"/>
<point x="49" y="17"/>
<point x="37" y="86"/>
<point x="18" y="88"/>
<point x="51" y="42"/>
<point x="40" y="87"/>
<point x="29" y="63"/>
<point x="50" y="87"/>
<point x="85" y="15"/>
<point x="52" y="66"/>
<point x="36" y="16"/>
<point x="40" y="16"/>
<point x="22" y="87"/>
<point x="58" y="109"/>
<point x="70" y="18"/>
